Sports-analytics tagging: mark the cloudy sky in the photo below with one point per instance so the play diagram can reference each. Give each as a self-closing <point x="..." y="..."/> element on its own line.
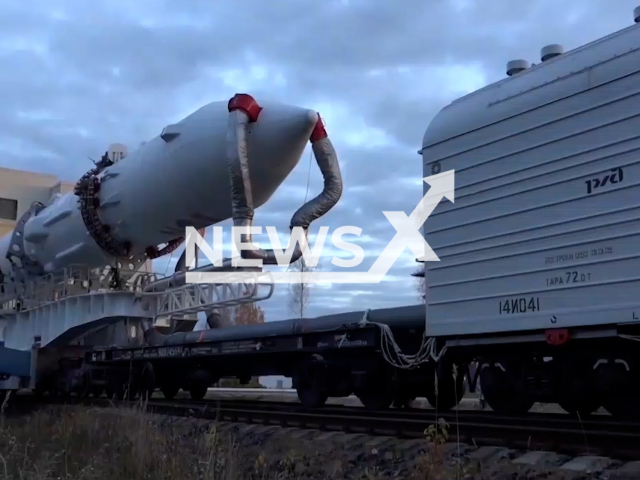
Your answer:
<point x="77" y="76"/>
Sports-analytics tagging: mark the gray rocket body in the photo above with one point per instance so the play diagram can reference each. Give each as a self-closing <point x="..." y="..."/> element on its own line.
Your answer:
<point x="180" y="178"/>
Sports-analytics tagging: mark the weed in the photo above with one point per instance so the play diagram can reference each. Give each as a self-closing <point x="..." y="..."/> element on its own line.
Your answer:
<point x="433" y="463"/>
<point x="87" y="444"/>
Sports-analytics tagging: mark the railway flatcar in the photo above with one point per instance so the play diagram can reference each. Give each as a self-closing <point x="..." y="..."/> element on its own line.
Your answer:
<point x="330" y="356"/>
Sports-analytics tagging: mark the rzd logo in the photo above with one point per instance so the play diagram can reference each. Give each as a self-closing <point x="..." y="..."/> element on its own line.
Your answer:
<point x="616" y="176"/>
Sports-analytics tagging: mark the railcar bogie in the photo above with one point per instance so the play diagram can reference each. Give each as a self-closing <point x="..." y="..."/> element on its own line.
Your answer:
<point x="581" y="375"/>
<point x="377" y="384"/>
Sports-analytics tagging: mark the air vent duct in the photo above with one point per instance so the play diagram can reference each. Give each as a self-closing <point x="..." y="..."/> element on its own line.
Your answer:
<point x="551" y="51"/>
<point x="636" y="14"/>
<point x="516" y="66"/>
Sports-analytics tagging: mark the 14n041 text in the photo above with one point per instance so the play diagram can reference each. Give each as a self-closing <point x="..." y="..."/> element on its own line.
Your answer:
<point x="519" y="305"/>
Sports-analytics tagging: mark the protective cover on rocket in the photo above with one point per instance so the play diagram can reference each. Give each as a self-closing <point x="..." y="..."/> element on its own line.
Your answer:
<point x="180" y="178"/>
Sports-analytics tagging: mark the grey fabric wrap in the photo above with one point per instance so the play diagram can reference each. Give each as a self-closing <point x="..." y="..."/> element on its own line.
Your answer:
<point x="242" y="199"/>
<point x="327" y="160"/>
<point x="238" y="164"/>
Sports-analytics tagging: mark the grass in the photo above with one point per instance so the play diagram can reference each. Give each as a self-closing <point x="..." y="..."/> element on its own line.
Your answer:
<point x="84" y="443"/>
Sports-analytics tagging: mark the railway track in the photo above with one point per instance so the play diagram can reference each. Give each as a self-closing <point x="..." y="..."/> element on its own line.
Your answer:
<point x="559" y="433"/>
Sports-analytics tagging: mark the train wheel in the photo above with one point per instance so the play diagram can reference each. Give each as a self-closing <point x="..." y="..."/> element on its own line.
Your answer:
<point x="131" y="389"/>
<point x="147" y="382"/>
<point x="197" y="391"/>
<point x="310" y="382"/>
<point x="311" y="398"/>
<point x="85" y="386"/>
<point x="115" y="388"/>
<point x="621" y="400"/>
<point x="403" y="401"/>
<point x="377" y="389"/>
<point x="446" y="386"/>
<point x="170" y="391"/>
<point x="500" y="392"/>
<point x="373" y="399"/>
<point x="617" y="384"/>
<point x="64" y="389"/>
<point x="111" y="393"/>
<point x="199" y="382"/>
<point x="97" y="391"/>
<point x="577" y="391"/>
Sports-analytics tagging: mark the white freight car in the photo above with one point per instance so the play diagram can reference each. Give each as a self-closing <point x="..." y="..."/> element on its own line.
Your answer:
<point x="544" y="235"/>
<point x="545" y="229"/>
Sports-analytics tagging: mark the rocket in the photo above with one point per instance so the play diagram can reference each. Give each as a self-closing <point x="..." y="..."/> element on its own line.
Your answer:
<point x="220" y="162"/>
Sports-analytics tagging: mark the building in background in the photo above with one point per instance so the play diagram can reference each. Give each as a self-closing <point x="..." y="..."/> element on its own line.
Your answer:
<point x="276" y="381"/>
<point x="19" y="189"/>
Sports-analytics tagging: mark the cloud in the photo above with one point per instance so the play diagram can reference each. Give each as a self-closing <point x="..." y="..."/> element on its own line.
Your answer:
<point x="77" y="76"/>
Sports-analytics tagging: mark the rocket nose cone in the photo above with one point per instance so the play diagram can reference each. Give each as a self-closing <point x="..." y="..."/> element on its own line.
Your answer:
<point x="295" y="124"/>
<point x="312" y="117"/>
<point x="282" y="132"/>
<point x="276" y="143"/>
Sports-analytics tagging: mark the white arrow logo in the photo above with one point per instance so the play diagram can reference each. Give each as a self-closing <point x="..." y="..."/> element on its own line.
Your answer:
<point x="407" y="235"/>
<point x="408" y="228"/>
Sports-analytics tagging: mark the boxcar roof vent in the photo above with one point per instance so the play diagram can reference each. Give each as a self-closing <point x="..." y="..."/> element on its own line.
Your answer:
<point x="516" y="66"/>
<point x="551" y="51"/>
<point x="636" y="14"/>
